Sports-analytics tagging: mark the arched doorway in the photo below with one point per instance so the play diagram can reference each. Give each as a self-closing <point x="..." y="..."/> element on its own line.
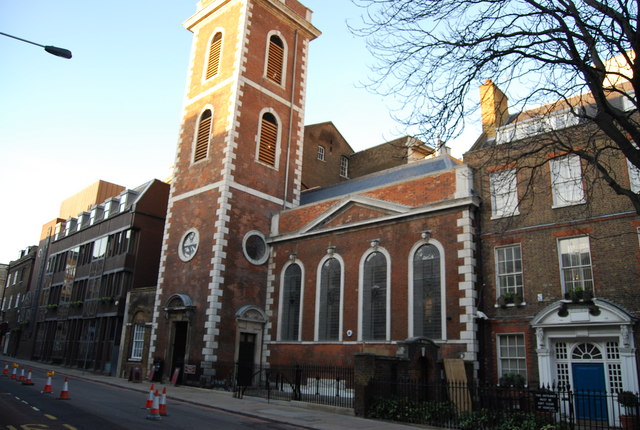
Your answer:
<point x="179" y="311"/>
<point x="248" y="355"/>
<point x="588" y="347"/>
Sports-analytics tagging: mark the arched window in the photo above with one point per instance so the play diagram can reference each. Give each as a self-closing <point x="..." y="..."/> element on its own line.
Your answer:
<point x="290" y="306"/>
<point x="202" y="137"/>
<point x="275" y="59"/>
<point x="329" y="300"/>
<point x="586" y="351"/>
<point x="374" y="297"/>
<point x="427" y="306"/>
<point x="268" y="139"/>
<point x="215" y="49"/>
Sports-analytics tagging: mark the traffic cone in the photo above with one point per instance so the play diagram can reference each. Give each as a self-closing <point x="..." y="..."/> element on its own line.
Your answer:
<point x="14" y="372"/>
<point x="154" y="413"/>
<point x="149" y="403"/>
<point x="21" y="378"/>
<point x="47" y="387"/>
<point x="64" y="394"/>
<point x="28" y="381"/>
<point x="163" y="402"/>
<point x="5" y="372"/>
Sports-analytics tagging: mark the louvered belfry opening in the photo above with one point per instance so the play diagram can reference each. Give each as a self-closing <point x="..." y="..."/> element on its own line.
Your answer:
<point x="275" y="60"/>
<point x="268" y="139"/>
<point x="214" y="56"/>
<point x="202" y="140"/>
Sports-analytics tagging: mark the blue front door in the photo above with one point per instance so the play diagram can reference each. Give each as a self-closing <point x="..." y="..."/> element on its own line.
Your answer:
<point x="590" y="391"/>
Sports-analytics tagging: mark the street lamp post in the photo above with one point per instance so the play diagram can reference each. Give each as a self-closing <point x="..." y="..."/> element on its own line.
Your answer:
<point x="54" y="50"/>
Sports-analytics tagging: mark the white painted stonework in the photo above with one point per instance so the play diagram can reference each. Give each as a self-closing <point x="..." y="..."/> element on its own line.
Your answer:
<point x="598" y="334"/>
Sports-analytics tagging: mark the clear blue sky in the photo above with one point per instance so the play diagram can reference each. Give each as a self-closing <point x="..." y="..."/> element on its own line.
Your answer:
<point x="112" y="112"/>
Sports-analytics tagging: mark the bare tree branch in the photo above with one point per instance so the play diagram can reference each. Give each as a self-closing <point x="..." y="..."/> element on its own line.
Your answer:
<point x="432" y="55"/>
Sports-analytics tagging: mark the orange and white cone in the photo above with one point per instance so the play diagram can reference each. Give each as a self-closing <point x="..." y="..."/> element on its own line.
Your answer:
<point x="47" y="387"/>
<point x="14" y="371"/>
<point x="64" y="394"/>
<point x="5" y="372"/>
<point x="149" y="403"/>
<point x="154" y="412"/>
<point x="163" y="402"/>
<point x="21" y="378"/>
<point x="28" y="381"/>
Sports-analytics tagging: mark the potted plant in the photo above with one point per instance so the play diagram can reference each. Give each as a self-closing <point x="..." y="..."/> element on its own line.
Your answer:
<point x="588" y="295"/>
<point x="629" y="402"/>
<point x="563" y="311"/>
<point x="518" y="300"/>
<point x="506" y="298"/>
<point x="502" y="302"/>
<point x="576" y="294"/>
<point x="512" y="380"/>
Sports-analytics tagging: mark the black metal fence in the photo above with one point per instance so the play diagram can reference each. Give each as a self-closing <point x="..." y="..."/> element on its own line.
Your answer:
<point x="313" y="384"/>
<point x="472" y="407"/>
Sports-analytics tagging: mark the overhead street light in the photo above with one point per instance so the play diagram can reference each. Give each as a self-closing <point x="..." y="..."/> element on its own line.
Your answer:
<point x="54" y="50"/>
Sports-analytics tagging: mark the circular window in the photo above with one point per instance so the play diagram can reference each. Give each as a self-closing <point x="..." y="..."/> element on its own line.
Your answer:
<point x="255" y="248"/>
<point x="189" y="245"/>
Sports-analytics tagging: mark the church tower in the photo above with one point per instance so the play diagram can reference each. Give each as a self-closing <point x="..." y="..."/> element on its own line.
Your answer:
<point x="237" y="164"/>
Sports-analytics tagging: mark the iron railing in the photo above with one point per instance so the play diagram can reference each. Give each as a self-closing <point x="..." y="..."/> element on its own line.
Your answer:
<point x="466" y="406"/>
<point x="312" y="384"/>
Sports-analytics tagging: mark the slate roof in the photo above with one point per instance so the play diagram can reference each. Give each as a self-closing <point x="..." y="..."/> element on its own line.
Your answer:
<point x="378" y="179"/>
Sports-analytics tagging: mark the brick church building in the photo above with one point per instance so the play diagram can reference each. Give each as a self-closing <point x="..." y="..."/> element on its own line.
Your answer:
<point x="283" y="245"/>
<point x="237" y="164"/>
<point x="262" y="263"/>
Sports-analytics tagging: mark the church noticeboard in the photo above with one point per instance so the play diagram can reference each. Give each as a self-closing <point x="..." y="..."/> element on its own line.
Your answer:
<point x="546" y="401"/>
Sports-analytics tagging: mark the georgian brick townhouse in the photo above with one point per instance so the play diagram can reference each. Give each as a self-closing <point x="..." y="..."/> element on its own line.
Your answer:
<point x="560" y="251"/>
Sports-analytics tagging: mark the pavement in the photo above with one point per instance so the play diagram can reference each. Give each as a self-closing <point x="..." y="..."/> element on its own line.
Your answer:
<point x="306" y="415"/>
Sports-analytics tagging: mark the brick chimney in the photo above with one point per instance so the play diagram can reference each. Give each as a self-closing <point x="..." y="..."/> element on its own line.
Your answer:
<point x="494" y="106"/>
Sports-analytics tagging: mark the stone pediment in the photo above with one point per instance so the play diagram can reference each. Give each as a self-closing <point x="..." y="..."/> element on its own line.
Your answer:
<point x="354" y="210"/>
<point x="598" y="312"/>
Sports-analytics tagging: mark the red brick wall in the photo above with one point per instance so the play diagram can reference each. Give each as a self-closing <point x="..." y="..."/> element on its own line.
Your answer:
<point x="421" y="191"/>
<point x="397" y="238"/>
<point x="191" y="278"/>
<point x="608" y="220"/>
<point x="295" y="219"/>
<point x="489" y="352"/>
<point x="416" y="192"/>
<point x="243" y="282"/>
<point x="321" y="173"/>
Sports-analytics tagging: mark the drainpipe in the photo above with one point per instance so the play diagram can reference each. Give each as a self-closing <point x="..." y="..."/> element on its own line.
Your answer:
<point x="293" y="87"/>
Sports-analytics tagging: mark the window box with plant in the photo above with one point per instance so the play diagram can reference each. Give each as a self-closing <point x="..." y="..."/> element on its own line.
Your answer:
<point x="513" y="380"/>
<point x="510" y="298"/>
<point x="579" y="294"/>
<point x="52" y="306"/>
<point x="106" y="299"/>
<point x="629" y="402"/>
